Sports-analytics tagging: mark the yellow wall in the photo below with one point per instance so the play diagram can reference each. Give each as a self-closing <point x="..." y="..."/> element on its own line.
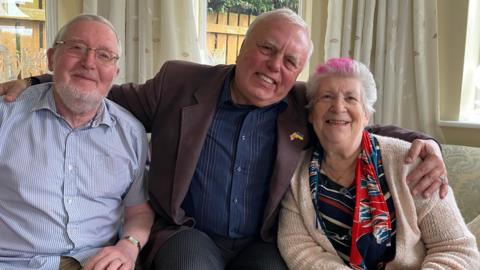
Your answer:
<point x="452" y="21"/>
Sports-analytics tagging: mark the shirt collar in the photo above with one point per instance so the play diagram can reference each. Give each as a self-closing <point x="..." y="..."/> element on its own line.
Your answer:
<point x="47" y="102"/>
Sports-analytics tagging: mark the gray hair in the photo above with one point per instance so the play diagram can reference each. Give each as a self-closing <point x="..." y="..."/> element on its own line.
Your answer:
<point x="349" y="68"/>
<point x="88" y="17"/>
<point x="288" y="14"/>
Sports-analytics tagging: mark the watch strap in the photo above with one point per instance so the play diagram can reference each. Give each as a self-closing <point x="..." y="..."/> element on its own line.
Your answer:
<point x="134" y="241"/>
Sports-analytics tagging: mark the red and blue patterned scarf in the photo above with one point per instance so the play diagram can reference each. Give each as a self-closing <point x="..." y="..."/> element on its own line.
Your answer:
<point x="371" y="214"/>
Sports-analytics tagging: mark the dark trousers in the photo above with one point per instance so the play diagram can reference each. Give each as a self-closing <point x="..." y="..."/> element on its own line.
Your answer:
<point x="193" y="249"/>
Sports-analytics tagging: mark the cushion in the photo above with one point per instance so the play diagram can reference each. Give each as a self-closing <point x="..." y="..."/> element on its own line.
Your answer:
<point x="463" y="166"/>
<point x="474" y="227"/>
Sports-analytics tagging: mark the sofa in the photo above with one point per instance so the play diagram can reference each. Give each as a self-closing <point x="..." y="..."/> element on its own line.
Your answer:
<point x="463" y="166"/>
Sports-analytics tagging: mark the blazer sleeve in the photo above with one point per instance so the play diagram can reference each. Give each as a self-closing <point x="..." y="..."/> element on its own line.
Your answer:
<point x="142" y="100"/>
<point x="399" y="133"/>
<point x="298" y="247"/>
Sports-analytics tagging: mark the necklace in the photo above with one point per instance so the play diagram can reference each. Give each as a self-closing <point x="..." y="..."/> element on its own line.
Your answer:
<point x="344" y="177"/>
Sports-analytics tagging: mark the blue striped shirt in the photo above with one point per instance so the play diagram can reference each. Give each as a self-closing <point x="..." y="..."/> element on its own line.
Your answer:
<point x="229" y="188"/>
<point x="63" y="190"/>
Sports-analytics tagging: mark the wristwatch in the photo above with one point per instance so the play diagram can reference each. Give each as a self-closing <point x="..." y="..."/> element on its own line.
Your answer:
<point x="134" y="241"/>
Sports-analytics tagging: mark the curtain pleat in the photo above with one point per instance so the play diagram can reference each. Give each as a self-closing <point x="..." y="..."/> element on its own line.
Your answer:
<point x="151" y="32"/>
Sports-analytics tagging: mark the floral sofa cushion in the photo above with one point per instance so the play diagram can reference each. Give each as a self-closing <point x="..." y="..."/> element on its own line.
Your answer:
<point x="463" y="166"/>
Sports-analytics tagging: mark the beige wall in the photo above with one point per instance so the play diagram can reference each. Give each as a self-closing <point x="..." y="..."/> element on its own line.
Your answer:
<point x="452" y="21"/>
<point x="67" y="9"/>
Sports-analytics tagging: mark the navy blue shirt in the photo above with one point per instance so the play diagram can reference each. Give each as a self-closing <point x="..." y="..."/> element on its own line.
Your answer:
<point x="229" y="188"/>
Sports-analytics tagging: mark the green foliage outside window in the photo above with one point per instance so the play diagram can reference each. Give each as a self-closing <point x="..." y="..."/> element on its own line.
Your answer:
<point x="254" y="7"/>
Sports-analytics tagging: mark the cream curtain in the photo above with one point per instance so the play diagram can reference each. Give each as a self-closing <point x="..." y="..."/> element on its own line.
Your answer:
<point x="152" y="32"/>
<point x="397" y="39"/>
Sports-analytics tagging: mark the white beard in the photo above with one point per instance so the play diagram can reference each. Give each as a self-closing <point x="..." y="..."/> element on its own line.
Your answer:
<point x="78" y="101"/>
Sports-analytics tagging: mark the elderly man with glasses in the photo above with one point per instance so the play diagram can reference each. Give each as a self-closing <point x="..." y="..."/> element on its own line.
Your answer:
<point x="71" y="163"/>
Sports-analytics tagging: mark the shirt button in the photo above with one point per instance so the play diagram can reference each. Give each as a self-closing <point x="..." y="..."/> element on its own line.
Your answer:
<point x="69" y="201"/>
<point x="235" y="200"/>
<point x="70" y="167"/>
<point x="243" y="137"/>
<point x="239" y="169"/>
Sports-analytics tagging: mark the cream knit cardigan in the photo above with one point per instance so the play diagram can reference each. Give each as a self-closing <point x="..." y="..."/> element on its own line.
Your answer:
<point x="431" y="233"/>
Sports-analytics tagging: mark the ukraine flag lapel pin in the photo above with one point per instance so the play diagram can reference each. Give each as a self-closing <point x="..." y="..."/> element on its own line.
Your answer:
<point x="296" y="136"/>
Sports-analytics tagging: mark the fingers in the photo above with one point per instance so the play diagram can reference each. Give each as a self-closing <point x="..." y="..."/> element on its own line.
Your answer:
<point x="425" y="186"/>
<point x="9" y="98"/>
<point x="110" y="258"/>
<point x="126" y="266"/>
<point x="12" y="89"/>
<point x="441" y="186"/>
<point x="115" y="264"/>
<point x="429" y="191"/>
<point x="429" y="170"/>
<point x="429" y="184"/>
<point x="425" y="178"/>
<point x="100" y="260"/>
<point x="110" y="262"/>
<point x="414" y="151"/>
<point x="4" y="87"/>
<point x="444" y="190"/>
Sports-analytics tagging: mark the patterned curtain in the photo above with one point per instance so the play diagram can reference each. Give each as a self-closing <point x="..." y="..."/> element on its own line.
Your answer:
<point x="152" y="32"/>
<point x="397" y="40"/>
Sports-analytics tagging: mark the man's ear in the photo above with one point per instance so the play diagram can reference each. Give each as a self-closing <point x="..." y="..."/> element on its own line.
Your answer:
<point x="50" y="56"/>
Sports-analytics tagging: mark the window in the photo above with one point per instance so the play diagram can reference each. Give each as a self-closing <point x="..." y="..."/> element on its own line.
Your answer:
<point x="22" y="38"/>
<point x="470" y="99"/>
<point x="227" y="23"/>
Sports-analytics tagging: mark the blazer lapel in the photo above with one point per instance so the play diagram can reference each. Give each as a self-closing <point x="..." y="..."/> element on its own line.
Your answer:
<point x="195" y="122"/>
<point x="292" y="139"/>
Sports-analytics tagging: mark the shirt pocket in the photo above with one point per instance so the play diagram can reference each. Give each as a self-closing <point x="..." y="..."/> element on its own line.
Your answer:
<point x="109" y="177"/>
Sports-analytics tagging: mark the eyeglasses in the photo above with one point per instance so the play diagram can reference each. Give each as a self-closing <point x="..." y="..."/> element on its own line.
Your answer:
<point x="79" y="49"/>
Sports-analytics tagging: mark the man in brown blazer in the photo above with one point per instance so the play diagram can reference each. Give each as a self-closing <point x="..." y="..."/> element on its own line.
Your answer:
<point x="225" y="143"/>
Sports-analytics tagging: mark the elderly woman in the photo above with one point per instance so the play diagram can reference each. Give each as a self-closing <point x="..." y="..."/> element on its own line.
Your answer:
<point x="349" y="205"/>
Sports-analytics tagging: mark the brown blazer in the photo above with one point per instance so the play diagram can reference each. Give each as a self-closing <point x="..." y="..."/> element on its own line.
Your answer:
<point x="177" y="106"/>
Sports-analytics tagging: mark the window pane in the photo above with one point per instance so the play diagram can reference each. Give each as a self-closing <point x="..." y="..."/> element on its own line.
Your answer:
<point x="22" y="38"/>
<point x="474" y="115"/>
<point x="227" y="22"/>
